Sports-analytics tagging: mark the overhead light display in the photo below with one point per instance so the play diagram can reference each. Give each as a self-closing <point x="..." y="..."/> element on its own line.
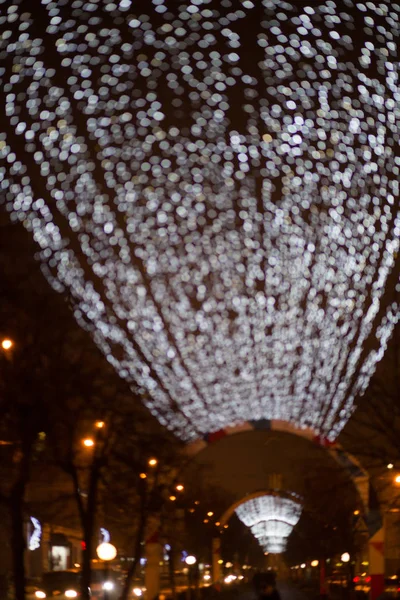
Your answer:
<point x="216" y="187"/>
<point x="271" y="520"/>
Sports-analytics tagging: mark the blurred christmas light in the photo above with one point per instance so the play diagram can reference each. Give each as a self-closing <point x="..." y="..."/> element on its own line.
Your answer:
<point x="222" y="206"/>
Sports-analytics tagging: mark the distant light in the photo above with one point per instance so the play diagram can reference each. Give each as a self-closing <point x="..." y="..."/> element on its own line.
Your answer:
<point x="179" y="488"/>
<point x="314" y="563"/>
<point x="88" y="442"/>
<point x="153" y="462"/>
<point x="206" y="577"/>
<point x="226" y="526"/>
<point x="397" y="479"/>
<point x="197" y="502"/>
<point x="138" y="592"/>
<point x="108" y="586"/>
<point x="142" y="475"/>
<point x="220" y="562"/>
<point x="71" y="594"/>
<point x="172" y="498"/>
<point x="206" y="521"/>
<point x="356" y="513"/>
<point x="390" y="466"/>
<point x="77" y="565"/>
<point x="7" y="344"/>
<point x="40" y="594"/>
<point x="303" y="566"/>
<point x="345" y="557"/>
<point x="190" y="560"/>
<point x="228" y="565"/>
<point x="210" y="514"/>
<point x="100" y="424"/>
<point x="217" y="523"/>
<point x="191" y="510"/>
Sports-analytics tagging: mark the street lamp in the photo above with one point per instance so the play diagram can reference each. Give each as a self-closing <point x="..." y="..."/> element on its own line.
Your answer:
<point x="190" y="561"/>
<point x="106" y="552"/>
<point x="7" y="344"/>
<point x="88" y="443"/>
<point x="345" y="558"/>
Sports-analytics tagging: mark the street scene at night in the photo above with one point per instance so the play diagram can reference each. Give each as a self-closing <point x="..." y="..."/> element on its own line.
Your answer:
<point x="199" y="300"/>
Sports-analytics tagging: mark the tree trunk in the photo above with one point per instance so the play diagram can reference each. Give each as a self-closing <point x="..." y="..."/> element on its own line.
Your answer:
<point x="86" y="563"/>
<point x="137" y="550"/>
<point x="18" y="541"/>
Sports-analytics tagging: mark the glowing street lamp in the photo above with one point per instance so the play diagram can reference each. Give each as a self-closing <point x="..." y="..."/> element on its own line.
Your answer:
<point x="390" y="466"/>
<point x="7" y="344"/>
<point x="179" y="487"/>
<point x="106" y="552"/>
<point x="190" y="560"/>
<point x="153" y="462"/>
<point x="314" y="563"/>
<point x="100" y="424"/>
<point x="88" y="443"/>
<point x="345" y="558"/>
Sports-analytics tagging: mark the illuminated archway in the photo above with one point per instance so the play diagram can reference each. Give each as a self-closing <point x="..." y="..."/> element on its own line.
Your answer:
<point x="357" y="473"/>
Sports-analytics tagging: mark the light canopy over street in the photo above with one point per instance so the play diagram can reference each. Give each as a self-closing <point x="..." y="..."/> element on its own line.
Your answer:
<point x="216" y="185"/>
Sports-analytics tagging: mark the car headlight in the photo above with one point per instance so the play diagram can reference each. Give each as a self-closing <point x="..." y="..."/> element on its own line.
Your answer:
<point x="71" y="594"/>
<point x="40" y="594"/>
<point x="108" y="585"/>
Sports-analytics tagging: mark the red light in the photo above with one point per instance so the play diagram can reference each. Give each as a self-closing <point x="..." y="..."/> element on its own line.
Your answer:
<point x="368" y="579"/>
<point x="83" y="545"/>
<point x="356" y="579"/>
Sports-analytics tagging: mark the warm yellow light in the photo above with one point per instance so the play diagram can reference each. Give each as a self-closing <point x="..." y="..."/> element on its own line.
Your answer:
<point x="356" y="513"/>
<point x="390" y="466"/>
<point x="314" y="563"/>
<point x="206" y="521"/>
<point x="226" y="526"/>
<point x="153" y="462"/>
<point x="106" y="551"/>
<point x="220" y="562"/>
<point x="100" y="424"/>
<point x="142" y="475"/>
<point x="217" y="523"/>
<point x="172" y="498"/>
<point x="7" y="344"/>
<point x="179" y="488"/>
<point x="210" y="514"/>
<point x="197" y="502"/>
<point x="191" y="510"/>
<point x="397" y="479"/>
<point x="88" y="442"/>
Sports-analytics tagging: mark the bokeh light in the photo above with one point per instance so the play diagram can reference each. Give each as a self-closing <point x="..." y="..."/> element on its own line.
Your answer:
<point x="216" y="186"/>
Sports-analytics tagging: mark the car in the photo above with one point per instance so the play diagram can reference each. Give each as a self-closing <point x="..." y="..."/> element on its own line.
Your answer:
<point x="63" y="584"/>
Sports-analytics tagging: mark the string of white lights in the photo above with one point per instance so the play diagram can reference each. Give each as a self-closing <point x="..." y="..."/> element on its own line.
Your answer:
<point x="271" y="519"/>
<point x="216" y="186"/>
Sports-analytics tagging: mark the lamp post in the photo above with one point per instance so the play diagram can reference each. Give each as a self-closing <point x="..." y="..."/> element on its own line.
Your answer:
<point x="106" y="552"/>
<point x="190" y="561"/>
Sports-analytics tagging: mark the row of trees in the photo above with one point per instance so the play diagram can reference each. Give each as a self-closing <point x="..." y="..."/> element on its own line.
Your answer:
<point x="75" y="439"/>
<point x="76" y="443"/>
